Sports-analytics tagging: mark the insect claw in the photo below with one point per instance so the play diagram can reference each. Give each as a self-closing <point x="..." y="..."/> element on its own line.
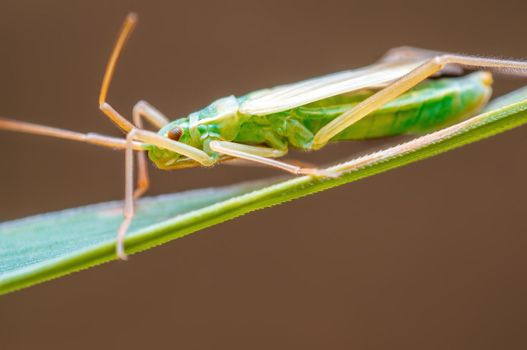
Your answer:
<point x="332" y="174"/>
<point x="120" y="252"/>
<point x="119" y="246"/>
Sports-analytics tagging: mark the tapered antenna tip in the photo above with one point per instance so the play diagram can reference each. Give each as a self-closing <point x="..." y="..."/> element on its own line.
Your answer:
<point x="132" y="17"/>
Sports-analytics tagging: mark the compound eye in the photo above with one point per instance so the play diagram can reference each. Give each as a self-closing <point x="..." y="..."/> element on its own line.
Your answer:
<point x="175" y="133"/>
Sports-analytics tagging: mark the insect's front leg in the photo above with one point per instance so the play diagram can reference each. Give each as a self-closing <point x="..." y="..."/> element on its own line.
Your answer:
<point x="128" y="209"/>
<point x="264" y="155"/>
<point x="143" y="109"/>
<point x="157" y="140"/>
<point x="422" y="72"/>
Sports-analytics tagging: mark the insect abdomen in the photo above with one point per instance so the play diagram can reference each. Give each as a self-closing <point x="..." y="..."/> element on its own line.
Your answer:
<point x="431" y="105"/>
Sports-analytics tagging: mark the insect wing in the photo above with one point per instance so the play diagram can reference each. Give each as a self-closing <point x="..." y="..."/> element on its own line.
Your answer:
<point x="289" y="96"/>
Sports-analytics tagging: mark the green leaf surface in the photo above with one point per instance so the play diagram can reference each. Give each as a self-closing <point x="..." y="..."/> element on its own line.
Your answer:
<point x="47" y="246"/>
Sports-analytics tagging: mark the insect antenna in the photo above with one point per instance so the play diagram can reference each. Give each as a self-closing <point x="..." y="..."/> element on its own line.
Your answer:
<point x="43" y="130"/>
<point x="126" y="30"/>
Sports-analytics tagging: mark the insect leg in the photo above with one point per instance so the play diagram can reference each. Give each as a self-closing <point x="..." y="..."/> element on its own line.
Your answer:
<point x="143" y="109"/>
<point x="151" y="138"/>
<point x="263" y="156"/>
<point x="150" y="113"/>
<point x="128" y="209"/>
<point x="406" y="53"/>
<point x="129" y="145"/>
<point x="407" y="82"/>
<point x="243" y="162"/>
<point x="157" y="140"/>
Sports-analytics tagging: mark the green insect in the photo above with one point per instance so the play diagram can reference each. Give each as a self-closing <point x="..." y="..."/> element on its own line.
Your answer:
<point x="408" y="91"/>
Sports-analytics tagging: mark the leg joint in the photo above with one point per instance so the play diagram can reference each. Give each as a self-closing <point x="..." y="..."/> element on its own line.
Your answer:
<point x="151" y="114"/>
<point x="442" y="60"/>
<point x="137" y="110"/>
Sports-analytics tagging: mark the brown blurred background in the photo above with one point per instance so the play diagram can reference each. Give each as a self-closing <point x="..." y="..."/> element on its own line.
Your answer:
<point x="430" y="256"/>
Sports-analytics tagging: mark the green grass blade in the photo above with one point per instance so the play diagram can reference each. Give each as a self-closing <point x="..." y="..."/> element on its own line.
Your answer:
<point x="47" y="246"/>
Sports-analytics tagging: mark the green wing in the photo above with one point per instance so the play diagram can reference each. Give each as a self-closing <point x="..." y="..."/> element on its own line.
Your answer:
<point x="290" y="96"/>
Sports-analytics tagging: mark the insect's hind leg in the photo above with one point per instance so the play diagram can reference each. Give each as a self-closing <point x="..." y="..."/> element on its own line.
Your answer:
<point x="143" y="109"/>
<point x="414" y="77"/>
<point x="409" y="53"/>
